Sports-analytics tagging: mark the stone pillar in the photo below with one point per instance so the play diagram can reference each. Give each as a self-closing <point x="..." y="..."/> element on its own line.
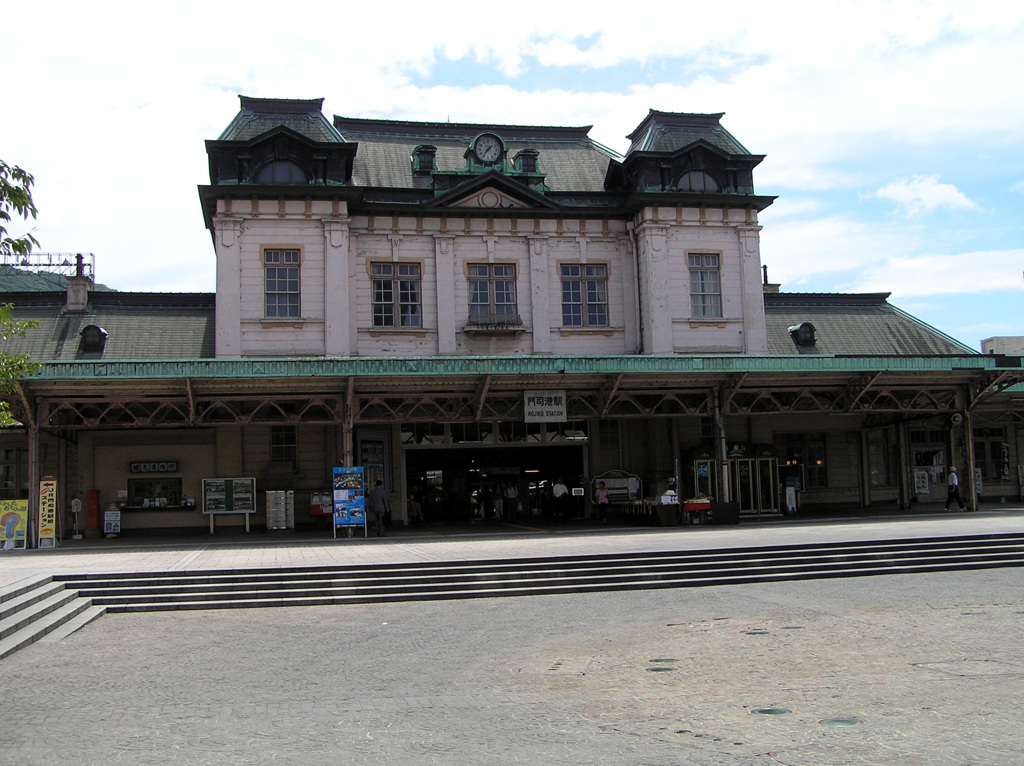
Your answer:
<point x="656" y="305"/>
<point x="445" y="280"/>
<point x="540" y="317"/>
<point x="339" y="289"/>
<point x="755" y="333"/>
<point x="227" y="245"/>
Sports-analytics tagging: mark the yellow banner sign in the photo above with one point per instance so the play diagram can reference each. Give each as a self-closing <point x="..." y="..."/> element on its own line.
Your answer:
<point x="48" y="512"/>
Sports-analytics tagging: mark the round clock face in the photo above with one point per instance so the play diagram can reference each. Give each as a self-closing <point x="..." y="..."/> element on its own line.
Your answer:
<point x="488" y="148"/>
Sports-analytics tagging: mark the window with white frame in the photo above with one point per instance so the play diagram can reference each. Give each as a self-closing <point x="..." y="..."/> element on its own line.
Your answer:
<point x="281" y="282"/>
<point x="492" y="293"/>
<point x="705" y="285"/>
<point x="397" y="300"/>
<point x="584" y="295"/>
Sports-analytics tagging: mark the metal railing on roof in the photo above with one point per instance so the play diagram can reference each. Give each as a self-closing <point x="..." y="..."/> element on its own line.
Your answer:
<point x="65" y="264"/>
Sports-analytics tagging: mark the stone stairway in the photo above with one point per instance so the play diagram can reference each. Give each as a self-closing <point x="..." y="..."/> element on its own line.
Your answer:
<point x="221" y="589"/>
<point x="40" y="609"/>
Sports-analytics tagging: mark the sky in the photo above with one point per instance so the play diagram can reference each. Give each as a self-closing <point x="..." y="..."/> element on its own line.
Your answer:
<point x="893" y="131"/>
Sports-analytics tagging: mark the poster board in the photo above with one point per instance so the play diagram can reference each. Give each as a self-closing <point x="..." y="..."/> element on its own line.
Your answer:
<point x="921" y="482"/>
<point x="234" y="495"/>
<point x="349" y="498"/>
<point x="13" y="524"/>
<point x="112" y="522"/>
<point x="622" y="487"/>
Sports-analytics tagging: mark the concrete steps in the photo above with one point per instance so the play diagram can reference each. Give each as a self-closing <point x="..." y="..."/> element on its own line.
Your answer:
<point x="222" y="589"/>
<point x="38" y="608"/>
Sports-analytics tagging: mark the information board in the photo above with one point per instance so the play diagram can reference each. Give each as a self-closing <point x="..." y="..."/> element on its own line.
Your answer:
<point x="229" y="496"/>
<point x="349" y="497"/>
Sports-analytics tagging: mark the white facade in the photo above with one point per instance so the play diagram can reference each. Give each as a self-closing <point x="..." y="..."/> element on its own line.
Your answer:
<point x="648" y="281"/>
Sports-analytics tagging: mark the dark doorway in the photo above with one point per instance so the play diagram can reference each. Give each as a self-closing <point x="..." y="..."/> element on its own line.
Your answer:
<point x="452" y="484"/>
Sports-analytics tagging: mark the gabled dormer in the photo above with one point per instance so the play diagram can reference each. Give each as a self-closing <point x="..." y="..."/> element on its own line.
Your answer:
<point x="280" y="142"/>
<point x="487" y="152"/>
<point x="684" y="154"/>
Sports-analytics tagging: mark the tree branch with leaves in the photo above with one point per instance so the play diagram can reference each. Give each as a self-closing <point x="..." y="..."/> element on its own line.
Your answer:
<point x="15" y="199"/>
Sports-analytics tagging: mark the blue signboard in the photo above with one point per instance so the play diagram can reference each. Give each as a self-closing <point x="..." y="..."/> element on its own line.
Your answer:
<point x="349" y="497"/>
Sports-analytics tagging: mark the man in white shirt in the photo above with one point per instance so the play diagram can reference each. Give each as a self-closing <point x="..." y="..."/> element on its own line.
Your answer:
<point x="953" y="493"/>
<point x="561" y="495"/>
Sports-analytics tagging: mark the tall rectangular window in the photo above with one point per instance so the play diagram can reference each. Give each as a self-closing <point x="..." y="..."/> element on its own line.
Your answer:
<point x="584" y="295"/>
<point x="284" y="445"/>
<point x="281" y="285"/>
<point x="492" y="293"/>
<point x="396" y="295"/>
<point x="992" y="454"/>
<point x="808" y="452"/>
<point x="705" y="285"/>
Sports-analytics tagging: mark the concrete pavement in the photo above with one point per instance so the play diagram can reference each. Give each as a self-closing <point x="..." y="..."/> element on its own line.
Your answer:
<point x="897" y="669"/>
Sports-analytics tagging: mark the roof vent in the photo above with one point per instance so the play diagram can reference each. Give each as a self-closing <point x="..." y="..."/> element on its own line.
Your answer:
<point x="94" y="338"/>
<point x="803" y="334"/>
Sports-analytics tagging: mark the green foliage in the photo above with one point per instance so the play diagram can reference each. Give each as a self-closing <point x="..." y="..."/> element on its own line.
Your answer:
<point x="15" y="197"/>
<point x="12" y="366"/>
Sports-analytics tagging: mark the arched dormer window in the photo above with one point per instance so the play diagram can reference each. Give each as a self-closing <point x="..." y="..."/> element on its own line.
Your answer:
<point x="281" y="172"/>
<point x="697" y="181"/>
<point x="803" y="334"/>
<point x="94" y="338"/>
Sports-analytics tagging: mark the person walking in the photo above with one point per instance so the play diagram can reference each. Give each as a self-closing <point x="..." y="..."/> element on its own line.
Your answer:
<point x="953" y="491"/>
<point x="379" y="505"/>
<point x="561" y="495"/>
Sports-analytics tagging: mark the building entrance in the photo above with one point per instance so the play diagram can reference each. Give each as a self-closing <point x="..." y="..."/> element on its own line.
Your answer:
<point x="459" y="484"/>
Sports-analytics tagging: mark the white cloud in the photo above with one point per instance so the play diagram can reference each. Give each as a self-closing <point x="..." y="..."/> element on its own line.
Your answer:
<point x="937" y="274"/>
<point x="924" y="194"/>
<point x="799" y="251"/>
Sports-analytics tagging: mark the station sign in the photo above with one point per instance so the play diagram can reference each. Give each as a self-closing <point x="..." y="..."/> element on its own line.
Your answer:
<point x="544" y="406"/>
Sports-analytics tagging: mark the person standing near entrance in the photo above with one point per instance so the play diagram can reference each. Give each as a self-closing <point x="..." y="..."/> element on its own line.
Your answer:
<point x="499" y="503"/>
<point x="561" y="495"/>
<point x="511" y="500"/>
<point x="378" y="504"/>
<point x="601" y="500"/>
<point x="953" y="493"/>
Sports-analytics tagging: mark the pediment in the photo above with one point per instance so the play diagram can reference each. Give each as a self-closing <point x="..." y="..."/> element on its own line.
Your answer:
<point x="488" y="197"/>
<point x="492" y="191"/>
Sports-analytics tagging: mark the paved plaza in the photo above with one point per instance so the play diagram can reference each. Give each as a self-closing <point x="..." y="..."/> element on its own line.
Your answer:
<point x="899" y="669"/>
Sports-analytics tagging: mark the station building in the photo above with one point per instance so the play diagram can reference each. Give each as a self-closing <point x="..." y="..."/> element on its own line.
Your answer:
<point x="460" y="306"/>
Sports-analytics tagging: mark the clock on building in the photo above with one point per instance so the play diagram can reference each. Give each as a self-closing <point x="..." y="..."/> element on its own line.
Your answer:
<point x="488" y="148"/>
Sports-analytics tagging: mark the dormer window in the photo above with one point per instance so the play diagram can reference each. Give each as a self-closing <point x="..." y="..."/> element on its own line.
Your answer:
<point x="94" y="339"/>
<point x="697" y="181"/>
<point x="281" y="172"/>
<point x="526" y="161"/>
<point x="803" y="334"/>
<point x="423" y="158"/>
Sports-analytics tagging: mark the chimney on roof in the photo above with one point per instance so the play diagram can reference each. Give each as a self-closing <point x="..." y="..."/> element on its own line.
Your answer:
<point x="768" y="286"/>
<point x="78" y="288"/>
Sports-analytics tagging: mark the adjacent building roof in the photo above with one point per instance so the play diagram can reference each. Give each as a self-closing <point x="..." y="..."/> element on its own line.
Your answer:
<point x="137" y="325"/>
<point x="851" y="325"/>
<point x="170" y="326"/>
